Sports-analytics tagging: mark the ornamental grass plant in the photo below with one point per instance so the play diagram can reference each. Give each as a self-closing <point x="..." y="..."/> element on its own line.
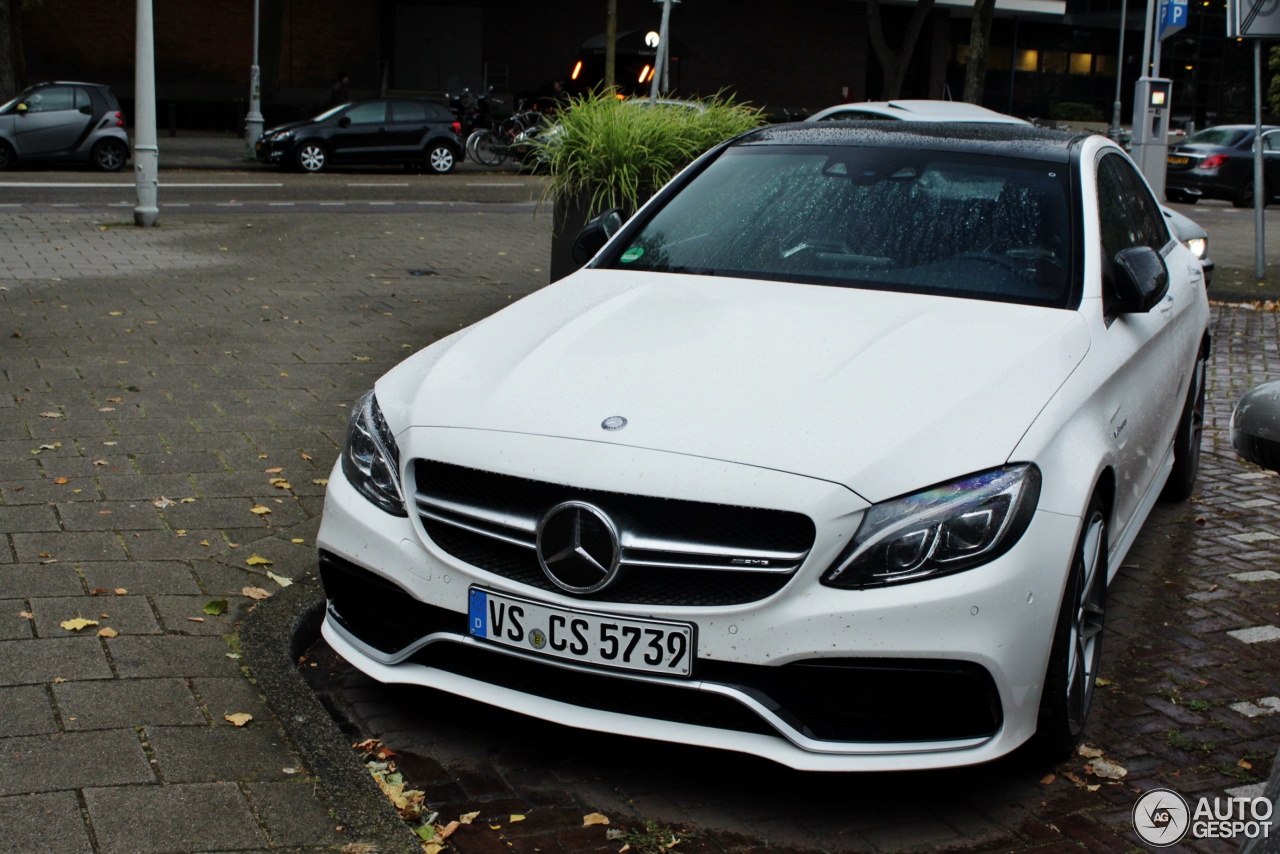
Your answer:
<point x="609" y="153"/>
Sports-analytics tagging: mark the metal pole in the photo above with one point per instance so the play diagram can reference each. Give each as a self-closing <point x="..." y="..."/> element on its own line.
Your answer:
<point x="660" y="61"/>
<point x="253" y="121"/>
<point x="1148" y="34"/>
<point x="1013" y="66"/>
<point x="1115" y="110"/>
<point x="146" y="152"/>
<point x="1259" y="198"/>
<point x="611" y="45"/>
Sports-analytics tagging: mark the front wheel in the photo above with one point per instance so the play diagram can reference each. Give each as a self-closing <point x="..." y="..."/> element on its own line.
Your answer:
<point x="1186" y="445"/>
<point x="109" y="155"/>
<point x="311" y="157"/>
<point x="487" y="148"/>
<point x="1077" y="643"/>
<point x="441" y="159"/>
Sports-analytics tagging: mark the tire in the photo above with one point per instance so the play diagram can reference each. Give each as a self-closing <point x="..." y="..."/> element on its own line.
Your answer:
<point x="441" y="158"/>
<point x="311" y="157"/>
<point x="1186" y="444"/>
<point x="1244" y="195"/>
<point x="1077" y="643"/>
<point x="6" y="155"/>
<point x="109" y="155"/>
<point x="487" y="148"/>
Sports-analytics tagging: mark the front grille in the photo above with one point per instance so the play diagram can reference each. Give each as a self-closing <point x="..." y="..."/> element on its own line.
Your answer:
<point x="672" y="552"/>
<point x="838" y="700"/>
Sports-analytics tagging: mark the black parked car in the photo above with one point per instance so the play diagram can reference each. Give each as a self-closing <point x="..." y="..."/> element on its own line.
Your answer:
<point x="64" y="123"/>
<point x="1217" y="163"/>
<point x="409" y="131"/>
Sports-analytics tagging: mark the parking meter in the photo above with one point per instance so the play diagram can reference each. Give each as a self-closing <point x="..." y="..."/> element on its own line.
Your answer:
<point x="1152" y="104"/>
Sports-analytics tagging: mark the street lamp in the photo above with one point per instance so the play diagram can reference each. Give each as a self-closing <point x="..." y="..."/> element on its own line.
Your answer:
<point x="253" y="121"/>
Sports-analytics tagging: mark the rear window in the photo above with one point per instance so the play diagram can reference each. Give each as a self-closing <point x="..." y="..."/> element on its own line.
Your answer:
<point x="1217" y="136"/>
<point x="960" y="225"/>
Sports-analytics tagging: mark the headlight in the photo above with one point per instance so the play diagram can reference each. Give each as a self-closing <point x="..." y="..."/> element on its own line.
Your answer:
<point x="1199" y="246"/>
<point x="370" y="458"/>
<point x="945" y="529"/>
<point x="281" y="136"/>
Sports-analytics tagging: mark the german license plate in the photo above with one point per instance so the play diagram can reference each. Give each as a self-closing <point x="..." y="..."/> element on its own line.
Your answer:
<point x="1178" y="161"/>
<point x="587" y="637"/>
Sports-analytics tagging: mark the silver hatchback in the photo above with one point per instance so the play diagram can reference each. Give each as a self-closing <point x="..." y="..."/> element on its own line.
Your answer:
<point x="64" y="123"/>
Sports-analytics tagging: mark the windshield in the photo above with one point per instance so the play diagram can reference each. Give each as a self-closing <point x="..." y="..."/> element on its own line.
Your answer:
<point x="980" y="227"/>
<point x="1216" y="136"/>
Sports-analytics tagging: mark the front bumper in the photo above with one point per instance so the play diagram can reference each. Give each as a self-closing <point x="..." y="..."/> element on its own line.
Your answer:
<point x="938" y="673"/>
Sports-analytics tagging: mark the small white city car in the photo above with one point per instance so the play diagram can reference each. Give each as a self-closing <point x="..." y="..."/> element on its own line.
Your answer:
<point x="827" y="456"/>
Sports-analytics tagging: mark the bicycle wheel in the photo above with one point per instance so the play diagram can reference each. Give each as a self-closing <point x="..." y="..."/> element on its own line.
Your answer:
<point x="470" y="144"/>
<point x="489" y="149"/>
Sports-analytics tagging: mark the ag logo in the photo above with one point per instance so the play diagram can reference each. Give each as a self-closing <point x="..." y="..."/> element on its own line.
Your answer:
<point x="1161" y="817"/>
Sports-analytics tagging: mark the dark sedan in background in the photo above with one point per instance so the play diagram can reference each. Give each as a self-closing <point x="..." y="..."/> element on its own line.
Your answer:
<point x="408" y="131"/>
<point x="1217" y="163"/>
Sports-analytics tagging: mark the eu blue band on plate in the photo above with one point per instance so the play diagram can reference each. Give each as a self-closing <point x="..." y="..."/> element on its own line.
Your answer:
<point x="478" y="622"/>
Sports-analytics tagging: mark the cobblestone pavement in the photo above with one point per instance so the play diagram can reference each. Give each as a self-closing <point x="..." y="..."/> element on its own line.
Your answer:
<point x="1188" y="701"/>
<point x="154" y="383"/>
<point x="154" y="380"/>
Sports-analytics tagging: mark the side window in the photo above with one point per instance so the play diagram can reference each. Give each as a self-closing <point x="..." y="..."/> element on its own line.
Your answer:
<point x="1271" y="141"/>
<point x="408" y="111"/>
<point x="84" y="102"/>
<point x="52" y="98"/>
<point x="368" y="114"/>
<point x="1129" y="215"/>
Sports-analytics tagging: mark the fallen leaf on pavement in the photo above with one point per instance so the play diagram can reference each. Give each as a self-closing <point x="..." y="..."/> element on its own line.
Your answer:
<point x="204" y="543"/>
<point x="1088" y="752"/>
<point x="297" y="541"/>
<point x="120" y="591"/>
<point x="186" y="501"/>
<point x="321" y="481"/>
<point x="107" y="632"/>
<point x="1102" y="682"/>
<point x="216" y="607"/>
<point x="239" y="718"/>
<point x="275" y="470"/>
<point x="259" y="510"/>
<point x="447" y="831"/>
<point x="467" y="818"/>
<point x="1245" y="764"/>
<point x="77" y="624"/>
<point x="52" y="415"/>
<point x="1048" y="779"/>
<point x="255" y="592"/>
<point x="594" y="818"/>
<point x="162" y="502"/>
<point x="101" y="463"/>
<point x="196" y="619"/>
<point x="279" y="579"/>
<point x="259" y="560"/>
<point x="1108" y="770"/>
<point x="514" y="818"/>
<point x="305" y="455"/>
<point x="61" y="481"/>
<point x="27" y="614"/>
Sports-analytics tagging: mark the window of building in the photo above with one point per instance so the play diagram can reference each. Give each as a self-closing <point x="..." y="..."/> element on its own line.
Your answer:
<point x="1055" y="62"/>
<point x="1027" y="60"/>
<point x="1081" y="63"/>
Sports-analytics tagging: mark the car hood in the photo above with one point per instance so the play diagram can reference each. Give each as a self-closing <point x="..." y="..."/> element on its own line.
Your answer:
<point x="288" y="126"/>
<point x="882" y="392"/>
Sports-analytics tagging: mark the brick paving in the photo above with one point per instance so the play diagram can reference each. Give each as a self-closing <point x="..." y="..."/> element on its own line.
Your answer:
<point x="150" y="381"/>
<point x="169" y="370"/>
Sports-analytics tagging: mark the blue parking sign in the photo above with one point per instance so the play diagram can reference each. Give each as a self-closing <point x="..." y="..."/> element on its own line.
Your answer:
<point x="1173" y="17"/>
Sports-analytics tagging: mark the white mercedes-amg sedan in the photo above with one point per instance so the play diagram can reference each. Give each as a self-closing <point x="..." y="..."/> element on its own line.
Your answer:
<point x="827" y="455"/>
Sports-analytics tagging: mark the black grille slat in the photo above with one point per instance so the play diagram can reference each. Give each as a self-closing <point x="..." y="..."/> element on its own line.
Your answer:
<point x="743" y="529"/>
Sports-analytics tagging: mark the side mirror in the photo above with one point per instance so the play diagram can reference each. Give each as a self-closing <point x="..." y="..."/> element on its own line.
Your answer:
<point x="345" y="121"/>
<point x="595" y="234"/>
<point x="22" y="108"/>
<point x="1141" y="279"/>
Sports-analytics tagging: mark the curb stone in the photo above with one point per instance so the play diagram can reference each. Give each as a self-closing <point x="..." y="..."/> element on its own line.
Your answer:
<point x="272" y="637"/>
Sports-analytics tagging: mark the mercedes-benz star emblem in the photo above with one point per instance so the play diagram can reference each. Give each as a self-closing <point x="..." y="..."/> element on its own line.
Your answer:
<point x="578" y="547"/>
<point x="614" y="422"/>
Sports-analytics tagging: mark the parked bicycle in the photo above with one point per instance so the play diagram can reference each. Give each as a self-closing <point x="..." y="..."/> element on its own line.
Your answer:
<point x="512" y="138"/>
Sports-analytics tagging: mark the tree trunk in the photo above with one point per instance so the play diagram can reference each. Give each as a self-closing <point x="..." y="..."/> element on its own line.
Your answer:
<point x="8" y="73"/>
<point x="975" y="72"/>
<point x="894" y="63"/>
